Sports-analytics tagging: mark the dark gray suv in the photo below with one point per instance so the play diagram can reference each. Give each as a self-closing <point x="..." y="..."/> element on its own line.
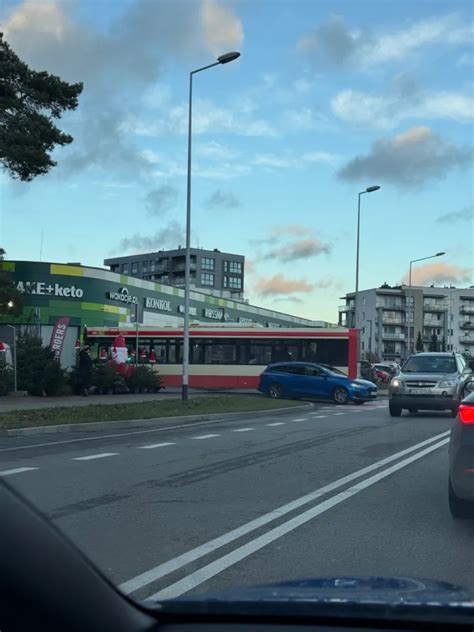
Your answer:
<point x="429" y="381"/>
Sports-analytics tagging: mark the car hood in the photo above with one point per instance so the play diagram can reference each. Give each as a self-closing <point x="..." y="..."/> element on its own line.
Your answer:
<point x="427" y="376"/>
<point x="345" y="589"/>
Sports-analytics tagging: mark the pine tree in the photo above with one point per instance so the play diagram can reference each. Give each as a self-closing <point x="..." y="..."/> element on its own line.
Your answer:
<point x="419" y="342"/>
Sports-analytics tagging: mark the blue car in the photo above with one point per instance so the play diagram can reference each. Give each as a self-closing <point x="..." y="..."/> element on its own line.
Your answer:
<point x="309" y="379"/>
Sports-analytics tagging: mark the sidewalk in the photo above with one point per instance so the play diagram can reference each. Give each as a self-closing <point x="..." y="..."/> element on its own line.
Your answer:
<point x="29" y="402"/>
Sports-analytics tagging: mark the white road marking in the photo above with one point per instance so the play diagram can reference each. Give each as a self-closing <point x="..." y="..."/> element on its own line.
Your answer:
<point x="17" y="470"/>
<point x="242" y="429"/>
<point x="277" y="423"/>
<point x="192" y="555"/>
<point x="320" y="416"/>
<point x="103" y="455"/>
<point x="191" y="424"/>
<point x="155" y="445"/>
<point x="300" y="419"/>
<point x="214" y="568"/>
<point x="336" y="414"/>
<point x="208" y="436"/>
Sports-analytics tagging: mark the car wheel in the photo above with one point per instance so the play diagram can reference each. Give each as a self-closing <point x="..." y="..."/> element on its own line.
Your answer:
<point x="459" y="508"/>
<point x="413" y="410"/>
<point x="275" y="391"/>
<point x="394" y="409"/>
<point x="340" y="395"/>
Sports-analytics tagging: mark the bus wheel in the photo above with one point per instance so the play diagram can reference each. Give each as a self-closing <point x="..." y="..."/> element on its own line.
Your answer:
<point x="275" y="391"/>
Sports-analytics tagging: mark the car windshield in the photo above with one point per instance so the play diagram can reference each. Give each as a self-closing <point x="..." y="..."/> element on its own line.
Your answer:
<point x="192" y="191"/>
<point x="430" y="364"/>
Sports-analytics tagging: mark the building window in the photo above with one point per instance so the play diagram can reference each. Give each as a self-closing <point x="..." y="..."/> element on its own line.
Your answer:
<point x="208" y="264"/>
<point x="233" y="282"/>
<point x="135" y="267"/>
<point x="152" y="265"/>
<point x="233" y="266"/>
<point x="125" y="268"/>
<point x="207" y="279"/>
<point x="145" y="267"/>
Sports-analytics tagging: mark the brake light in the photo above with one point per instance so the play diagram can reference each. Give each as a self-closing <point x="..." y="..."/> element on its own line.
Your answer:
<point x="466" y="414"/>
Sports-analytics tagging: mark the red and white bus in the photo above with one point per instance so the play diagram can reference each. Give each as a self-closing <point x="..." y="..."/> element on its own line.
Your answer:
<point x="224" y="356"/>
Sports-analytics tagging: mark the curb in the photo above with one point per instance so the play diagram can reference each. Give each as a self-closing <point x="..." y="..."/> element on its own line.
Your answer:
<point x="131" y="423"/>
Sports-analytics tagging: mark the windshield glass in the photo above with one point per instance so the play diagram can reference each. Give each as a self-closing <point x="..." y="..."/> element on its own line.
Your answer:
<point x="430" y="364"/>
<point x="192" y="191"/>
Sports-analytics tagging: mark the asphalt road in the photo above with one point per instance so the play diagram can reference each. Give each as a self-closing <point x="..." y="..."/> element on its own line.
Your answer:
<point x="323" y="490"/>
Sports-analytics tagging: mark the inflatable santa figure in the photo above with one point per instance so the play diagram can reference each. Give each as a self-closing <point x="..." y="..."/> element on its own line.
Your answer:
<point x="120" y="356"/>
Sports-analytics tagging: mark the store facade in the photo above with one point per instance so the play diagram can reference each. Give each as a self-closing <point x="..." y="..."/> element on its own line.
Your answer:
<point x="79" y="296"/>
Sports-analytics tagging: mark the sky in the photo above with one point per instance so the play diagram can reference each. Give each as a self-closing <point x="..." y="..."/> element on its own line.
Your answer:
<point x="327" y="98"/>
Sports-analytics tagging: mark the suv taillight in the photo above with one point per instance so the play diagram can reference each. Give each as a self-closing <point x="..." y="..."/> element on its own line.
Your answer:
<point x="466" y="414"/>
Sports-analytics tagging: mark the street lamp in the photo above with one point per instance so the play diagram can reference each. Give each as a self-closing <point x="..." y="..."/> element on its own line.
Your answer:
<point x="438" y="254"/>
<point x="223" y="59"/>
<point x="354" y="324"/>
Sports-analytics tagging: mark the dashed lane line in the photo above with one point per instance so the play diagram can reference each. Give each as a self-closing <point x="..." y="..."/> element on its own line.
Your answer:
<point x="151" y="446"/>
<point x="17" y="470"/>
<point x="276" y="423"/>
<point x="243" y="429"/>
<point x="207" y="436"/>
<point x="91" y="457"/>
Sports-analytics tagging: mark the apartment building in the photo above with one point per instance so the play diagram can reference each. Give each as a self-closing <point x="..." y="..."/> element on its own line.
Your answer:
<point x="212" y="271"/>
<point x="396" y="321"/>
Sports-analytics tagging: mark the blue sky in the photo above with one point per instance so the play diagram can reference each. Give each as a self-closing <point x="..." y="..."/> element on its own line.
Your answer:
<point x="327" y="99"/>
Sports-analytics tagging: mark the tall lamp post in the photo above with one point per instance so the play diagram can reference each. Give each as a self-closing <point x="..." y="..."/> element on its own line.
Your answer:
<point x="223" y="59"/>
<point x="10" y="304"/>
<point x="354" y="324"/>
<point x="412" y="311"/>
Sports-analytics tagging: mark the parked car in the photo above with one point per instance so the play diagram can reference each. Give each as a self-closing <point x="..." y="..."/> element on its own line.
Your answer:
<point x="461" y="459"/>
<point x="429" y="381"/>
<point x="308" y="379"/>
<point x="391" y="369"/>
<point x="382" y="376"/>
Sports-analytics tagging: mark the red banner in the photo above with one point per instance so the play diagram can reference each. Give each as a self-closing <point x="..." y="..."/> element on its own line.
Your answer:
<point x="58" y="336"/>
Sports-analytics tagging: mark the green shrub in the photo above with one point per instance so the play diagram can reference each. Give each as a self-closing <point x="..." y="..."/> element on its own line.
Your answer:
<point x="38" y="372"/>
<point x="144" y="378"/>
<point x="106" y="378"/>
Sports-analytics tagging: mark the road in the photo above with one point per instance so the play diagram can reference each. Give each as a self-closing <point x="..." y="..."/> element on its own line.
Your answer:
<point x="324" y="490"/>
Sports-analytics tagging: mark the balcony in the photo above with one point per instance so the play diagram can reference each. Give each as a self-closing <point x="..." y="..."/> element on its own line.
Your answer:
<point x="434" y="307"/>
<point x="466" y="324"/>
<point x="391" y="320"/>
<point x="466" y="341"/>
<point x="393" y="336"/>
<point x="466" y="309"/>
<point x="433" y="323"/>
<point x="345" y="308"/>
<point x="180" y="267"/>
<point x="396" y="307"/>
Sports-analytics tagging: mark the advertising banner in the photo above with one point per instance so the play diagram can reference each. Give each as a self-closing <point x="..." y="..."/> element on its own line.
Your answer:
<point x="58" y="336"/>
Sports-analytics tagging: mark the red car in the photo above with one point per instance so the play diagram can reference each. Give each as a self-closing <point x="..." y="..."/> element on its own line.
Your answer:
<point x="383" y="376"/>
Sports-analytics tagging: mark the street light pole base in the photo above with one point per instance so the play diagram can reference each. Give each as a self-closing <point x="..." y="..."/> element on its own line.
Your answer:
<point x="184" y="393"/>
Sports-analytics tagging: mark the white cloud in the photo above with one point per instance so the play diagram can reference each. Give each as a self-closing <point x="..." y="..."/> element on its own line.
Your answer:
<point x="207" y="118"/>
<point x="222" y="28"/>
<point x="387" y="111"/>
<point x="334" y="42"/>
<point x="289" y="160"/>
<point x="305" y="119"/>
<point x="215" y="151"/>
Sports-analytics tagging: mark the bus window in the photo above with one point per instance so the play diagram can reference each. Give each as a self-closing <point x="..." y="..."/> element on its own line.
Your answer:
<point x="261" y="352"/>
<point x="175" y="351"/>
<point x="216" y="353"/>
